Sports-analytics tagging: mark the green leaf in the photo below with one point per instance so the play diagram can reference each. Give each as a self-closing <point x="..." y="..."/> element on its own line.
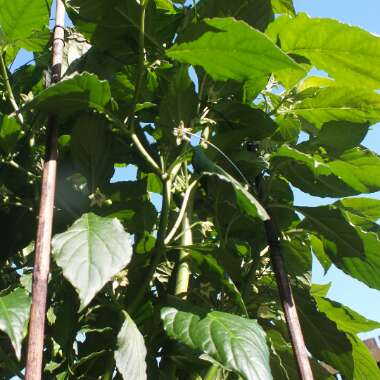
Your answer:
<point x="359" y="168"/>
<point x="365" y="365"/>
<point x="319" y="252"/>
<point x="322" y="337"/>
<point x="257" y="13"/>
<point x="91" y="144"/>
<point x="91" y="252"/>
<point x="352" y="323"/>
<point x="165" y="5"/>
<point x="20" y="19"/>
<point x="297" y="256"/>
<point x="212" y="270"/>
<point x="10" y="132"/>
<point x="368" y="208"/>
<point x="353" y="172"/>
<point x="14" y="317"/>
<point x="246" y="201"/>
<point x="338" y="136"/>
<point x="308" y="173"/>
<point x="283" y="6"/>
<point x="320" y="290"/>
<point x="231" y="49"/>
<point x="180" y="101"/>
<point x="355" y="105"/>
<point x="349" y="247"/>
<point x="77" y="93"/>
<point x="347" y="320"/>
<point x="131" y="351"/>
<point x="345" y="52"/>
<point x="238" y="344"/>
<point x="283" y="363"/>
<point x="240" y="122"/>
<point x="331" y="224"/>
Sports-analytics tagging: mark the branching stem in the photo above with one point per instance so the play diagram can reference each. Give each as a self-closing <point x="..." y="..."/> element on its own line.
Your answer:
<point x="140" y="77"/>
<point x="181" y="214"/>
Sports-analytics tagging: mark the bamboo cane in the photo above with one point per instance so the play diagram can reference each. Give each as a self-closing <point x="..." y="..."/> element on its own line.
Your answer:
<point x="45" y="219"/>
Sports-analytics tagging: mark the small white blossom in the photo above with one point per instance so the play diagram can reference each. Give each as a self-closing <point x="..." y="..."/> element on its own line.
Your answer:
<point x="182" y="133"/>
<point x="206" y="227"/>
<point x="98" y="199"/>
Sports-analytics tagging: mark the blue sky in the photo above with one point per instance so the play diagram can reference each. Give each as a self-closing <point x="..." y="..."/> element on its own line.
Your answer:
<point x="344" y="289"/>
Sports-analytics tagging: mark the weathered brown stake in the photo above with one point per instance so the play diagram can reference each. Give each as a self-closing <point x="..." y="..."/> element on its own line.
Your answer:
<point x="45" y="219"/>
<point x="288" y="304"/>
<point x="287" y="298"/>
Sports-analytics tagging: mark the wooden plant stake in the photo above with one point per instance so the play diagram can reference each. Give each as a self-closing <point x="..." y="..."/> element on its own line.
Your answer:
<point x="45" y="219"/>
<point x="287" y="298"/>
<point x="288" y="304"/>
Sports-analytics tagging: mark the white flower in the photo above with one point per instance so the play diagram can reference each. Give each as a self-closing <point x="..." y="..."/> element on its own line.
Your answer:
<point x="182" y="133"/>
<point x="206" y="227"/>
<point x="98" y="199"/>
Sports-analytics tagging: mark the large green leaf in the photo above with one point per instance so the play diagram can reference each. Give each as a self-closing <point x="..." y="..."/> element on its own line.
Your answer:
<point x="10" y="132"/>
<point x="309" y="173"/>
<point x="350" y="248"/>
<point x="246" y="201"/>
<point x="91" y="252"/>
<point x="283" y="6"/>
<point x="359" y="168"/>
<point x="297" y="256"/>
<point x="257" y="13"/>
<point x="319" y="252"/>
<point x="236" y="343"/>
<point x="355" y="171"/>
<point x="330" y="223"/>
<point x="355" y="105"/>
<point x="282" y="361"/>
<point x="345" y="52"/>
<point x="131" y="351"/>
<point x="347" y="320"/>
<point x="77" y="93"/>
<point x="212" y="270"/>
<point x="14" y="316"/>
<point x="338" y="136"/>
<point x="323" y="338"/>
<point x="365" y="365"/>
<point x="179" y="103"/>
<point x="240" y="122"/>
<point x="368" y="208"/>
<point x="231" y="49"/>
<point x="91" y="144"/>
<point x="20" y="19"/>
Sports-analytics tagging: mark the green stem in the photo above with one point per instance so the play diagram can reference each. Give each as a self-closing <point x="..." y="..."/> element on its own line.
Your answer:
<point x="140" y="70"/>
<point x="140" y="77"/>
<point x="160" y="247"/>
<point x="184" y="272"/>
<point x="4" y="74"/>
<point x="15" y="165"/>
<point x="181" y="215"/>
<point x="139" y="145"/>
<point x="199" y="223"/>
<point x="212" y="373"/>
